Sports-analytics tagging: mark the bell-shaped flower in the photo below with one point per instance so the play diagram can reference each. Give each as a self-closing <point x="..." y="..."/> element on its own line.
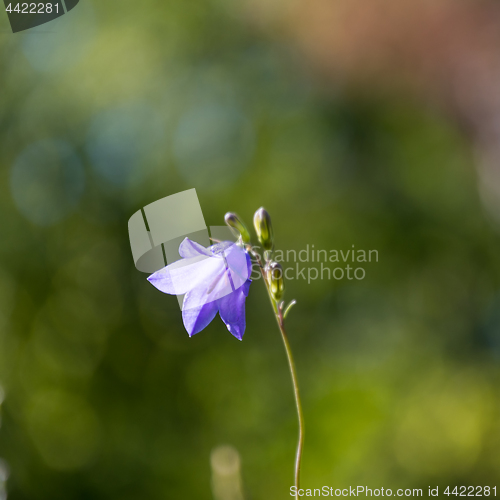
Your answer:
<point x="213" y="279"/>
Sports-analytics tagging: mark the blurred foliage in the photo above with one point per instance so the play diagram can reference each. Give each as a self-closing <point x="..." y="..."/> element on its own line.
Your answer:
<point x="105" y="395"/>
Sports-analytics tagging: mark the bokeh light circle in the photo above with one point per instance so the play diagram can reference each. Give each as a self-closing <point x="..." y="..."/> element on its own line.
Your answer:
<point x="47" y="181"/>
<point x="213" y="144"/>
<point x="62" y="43"/>
<point x="64" y="428"/>
<point x="120" y="140"/>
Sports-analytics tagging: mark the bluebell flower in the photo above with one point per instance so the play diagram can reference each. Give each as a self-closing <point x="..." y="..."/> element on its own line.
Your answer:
<point x="213" y="279"/>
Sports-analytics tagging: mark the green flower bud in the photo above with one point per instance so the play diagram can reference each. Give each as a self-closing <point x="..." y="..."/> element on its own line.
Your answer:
<point x="264" y="228"/>
<point x="237" y="227"/>
<point x="276" y="280"/>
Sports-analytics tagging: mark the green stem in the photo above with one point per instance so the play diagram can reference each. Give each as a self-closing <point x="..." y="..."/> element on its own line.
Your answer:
<point x="293" y="372"/>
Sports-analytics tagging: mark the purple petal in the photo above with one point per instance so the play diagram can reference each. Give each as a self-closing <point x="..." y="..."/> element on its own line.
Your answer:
<point x="246" y="287"/>
<point x="211" y="289"/>
<point x="249" y="269"/>
<point x="189" y="248"/>
<point x="197" y="318"/>
<point x="186" y="274"/>
<point x="232" y="310"/>
<point x="236" y="260"/>
<point x="198" y="310"/>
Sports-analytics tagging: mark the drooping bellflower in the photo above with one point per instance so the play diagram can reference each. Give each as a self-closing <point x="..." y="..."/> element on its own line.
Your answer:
<point x="213" y="279"/>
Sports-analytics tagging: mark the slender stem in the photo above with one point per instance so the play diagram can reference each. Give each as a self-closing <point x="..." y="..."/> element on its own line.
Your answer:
<point x="293" y="373"/>
<point x="278" y="312"/>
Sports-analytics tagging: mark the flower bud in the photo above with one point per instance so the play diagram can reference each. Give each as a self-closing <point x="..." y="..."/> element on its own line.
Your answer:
<point x="276" y="280"/>
<point x="264" y="228"/>
<point x="237" y="227"/>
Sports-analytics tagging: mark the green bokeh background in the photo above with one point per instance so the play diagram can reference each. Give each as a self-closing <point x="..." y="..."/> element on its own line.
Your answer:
<point x="106" y="396"/>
